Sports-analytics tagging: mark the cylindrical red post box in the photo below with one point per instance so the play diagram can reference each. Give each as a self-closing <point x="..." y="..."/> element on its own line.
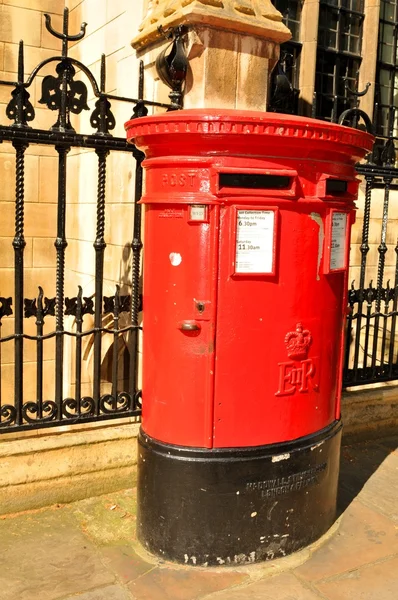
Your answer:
<point x="247" y="228"/>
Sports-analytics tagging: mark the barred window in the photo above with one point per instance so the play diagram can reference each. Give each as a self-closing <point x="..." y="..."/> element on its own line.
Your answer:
<point x="289" y="62"/>
<point x="339" y="54"/>
<point x="386" y="96"/>
<point x="291" y="13"/>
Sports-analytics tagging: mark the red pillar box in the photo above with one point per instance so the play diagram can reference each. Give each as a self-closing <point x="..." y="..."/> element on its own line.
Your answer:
<point x="247" y="228"/>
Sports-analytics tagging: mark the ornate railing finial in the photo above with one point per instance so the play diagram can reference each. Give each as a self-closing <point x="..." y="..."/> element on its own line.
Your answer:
<point x="172" y="64"/>
<point x="355" y="114"/>
<point x="65" y="36"/>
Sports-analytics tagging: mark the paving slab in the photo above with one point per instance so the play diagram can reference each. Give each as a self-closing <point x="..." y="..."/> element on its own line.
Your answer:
<point x="390" y="442"/>
<point x="125" y="562"/>
<point x="109" y="519"/>
<point x="44" y="556"/>
<point x="364" y="536"/>
<point x="167" y="583"/>
<point x="89" y="550"/>
<point x="111" y="592"/>
<point x="381" y="489"/>
<point x="374" y="582"/>
<point x="280" y="587"/>
<point x="371" y="470"/>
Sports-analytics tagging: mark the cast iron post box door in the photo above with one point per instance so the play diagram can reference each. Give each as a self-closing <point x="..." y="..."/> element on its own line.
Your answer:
<point x="280" y="303"/>
<point x="180" y="274"/>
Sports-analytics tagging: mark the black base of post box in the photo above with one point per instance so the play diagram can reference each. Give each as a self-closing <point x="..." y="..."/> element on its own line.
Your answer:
<point x="232" y="506"/>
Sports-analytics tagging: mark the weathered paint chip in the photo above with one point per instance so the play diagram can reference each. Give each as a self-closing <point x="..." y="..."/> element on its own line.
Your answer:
<point x="175" y="258"/>
<point x="280" y="457"/>
<point x="318" y="220"/>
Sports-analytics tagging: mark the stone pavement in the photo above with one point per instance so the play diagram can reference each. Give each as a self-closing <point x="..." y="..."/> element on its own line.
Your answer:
<point x="88" y="551"/>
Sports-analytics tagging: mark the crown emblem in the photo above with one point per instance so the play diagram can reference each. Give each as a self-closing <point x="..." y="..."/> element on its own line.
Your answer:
<point x="298" y="343"/>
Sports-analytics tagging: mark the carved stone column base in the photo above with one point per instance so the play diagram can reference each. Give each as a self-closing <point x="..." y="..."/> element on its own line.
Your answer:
<point x="226" y="70"/>
<point x="251" y="17"/>
<point x="232" y="47"/>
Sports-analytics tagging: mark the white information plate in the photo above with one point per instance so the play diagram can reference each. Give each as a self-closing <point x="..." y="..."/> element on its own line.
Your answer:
<point x="197" y="212"/>
<point x="338" y="241"/>
<point x="254" y="241"/>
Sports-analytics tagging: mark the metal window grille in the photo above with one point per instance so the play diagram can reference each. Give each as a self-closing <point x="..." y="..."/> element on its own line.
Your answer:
<point x="291" y="13"/>
<point x="339" y="55"/>
<point x="285" y="78"/>
<point x="387" y="71"/>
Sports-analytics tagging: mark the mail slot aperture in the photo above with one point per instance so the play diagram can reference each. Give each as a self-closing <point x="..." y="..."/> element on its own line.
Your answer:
<point x="254" y="181"/>
<point x="335" y="187"/>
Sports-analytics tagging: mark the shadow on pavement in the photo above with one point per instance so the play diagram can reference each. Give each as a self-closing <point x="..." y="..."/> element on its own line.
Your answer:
<point x="358" y="463"/>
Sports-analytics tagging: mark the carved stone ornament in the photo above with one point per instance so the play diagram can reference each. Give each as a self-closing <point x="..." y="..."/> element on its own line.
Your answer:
<point x="250" y="17"/>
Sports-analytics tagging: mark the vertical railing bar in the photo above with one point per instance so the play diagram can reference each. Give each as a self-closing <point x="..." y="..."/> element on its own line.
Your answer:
<point x="19" y="244"/>
<point x="78" y="357"/>
<point x="39" y="363"/>
<point x="135" y="279"/>
<point x="136" y="246"/>
<point x="1" y="397"/>
<point x="115" y="357"/>
<point x="60" y="246"/>
<point x="394" y="316"/>
<point x="385" y="323"/>
<point x="347" y="342"/>
<point x="382" y="249"/>
<point x="364" y="252"/>
<point x="367" y="330"/>
<point x="99" y="246"/>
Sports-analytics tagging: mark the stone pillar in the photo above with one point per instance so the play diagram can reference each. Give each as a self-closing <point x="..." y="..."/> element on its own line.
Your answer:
<point x="367" y="72"/>
<point x="232" y="47"/>
<point x="309" y="39"/>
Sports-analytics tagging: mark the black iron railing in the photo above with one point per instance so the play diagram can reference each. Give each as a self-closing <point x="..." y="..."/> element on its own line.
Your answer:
<point x="372" y="347"/>
<point x="371" y="353"/>
<point x="96" y="316"/>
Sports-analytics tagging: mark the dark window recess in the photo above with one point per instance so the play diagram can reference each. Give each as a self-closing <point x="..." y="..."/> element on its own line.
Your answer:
<point x="291" y="14"/>
<point x="386" y="113"/>
<point x="285" y="77"/>
<point x="339" y="56"/>
<point x="336" y="186"/>
<point x="254" y="181"/>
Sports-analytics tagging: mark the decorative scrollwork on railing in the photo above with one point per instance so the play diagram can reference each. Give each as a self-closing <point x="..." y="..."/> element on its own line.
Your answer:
<point x="370" y="294"/>
<point x="30" y="411"/>
<point x="53" y="89"/>
<point x="83" y="407"/>
<point x="102" y="117"/>
<point x="5" y="307"/>
<point x="8" y="415"/>
<point x="138" y="400"/>
<point x="63" y="93"/>
<point x="124" y="304"/>
<point x="37" y="308"/>
<point x="79" y="305"/>
<point x="19" y="108"/>
<point x="65" y="35"/>
<point x="120" y="403"/>
<point x="383" y="153"/>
